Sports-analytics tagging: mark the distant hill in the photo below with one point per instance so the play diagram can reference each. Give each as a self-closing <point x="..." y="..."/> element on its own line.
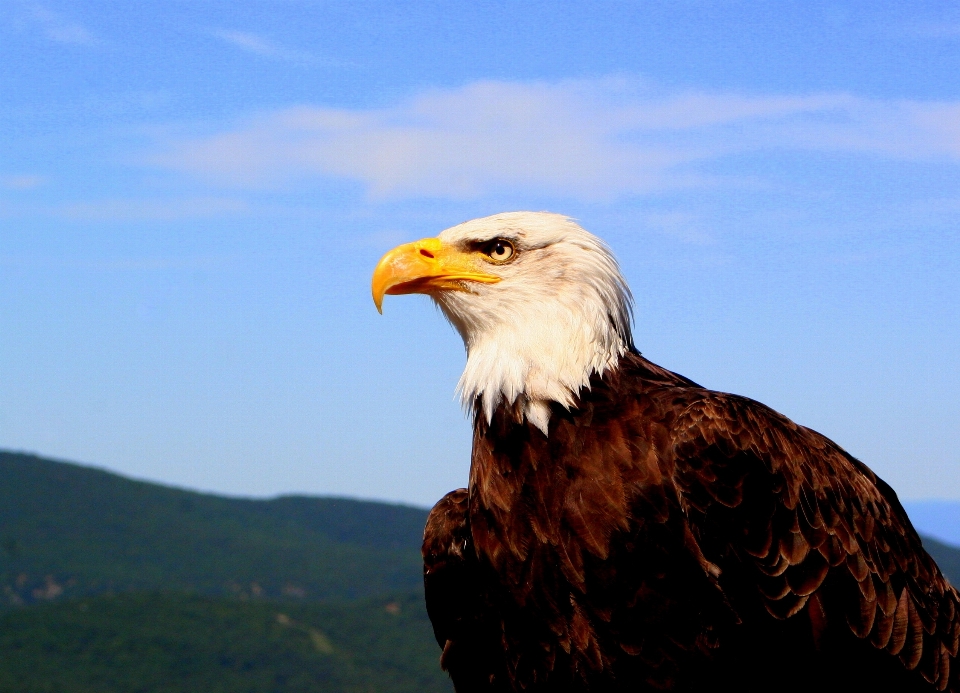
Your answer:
<point x="68" y="530"/>
<point x="170" y="643"/>
<point x="946" y="556"/>
<point x="939" y="519"/>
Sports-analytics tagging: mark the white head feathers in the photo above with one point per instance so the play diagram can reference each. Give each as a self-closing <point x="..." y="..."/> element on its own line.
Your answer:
<point x="560" y="313"/>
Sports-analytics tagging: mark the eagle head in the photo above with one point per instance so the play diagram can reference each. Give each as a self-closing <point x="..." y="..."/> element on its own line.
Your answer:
<point x="540" y="303"/>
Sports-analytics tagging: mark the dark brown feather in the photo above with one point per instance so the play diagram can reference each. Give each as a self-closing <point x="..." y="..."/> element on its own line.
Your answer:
<point x="666" y="537"/>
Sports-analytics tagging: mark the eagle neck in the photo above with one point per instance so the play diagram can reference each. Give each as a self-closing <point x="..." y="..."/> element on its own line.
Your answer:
<point x="526" y="366"/>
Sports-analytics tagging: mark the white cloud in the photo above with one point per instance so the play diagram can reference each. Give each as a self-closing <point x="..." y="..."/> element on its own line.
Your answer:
<point x="935" y="30"/>
<point x="588" y="139"/>
<point x="58" y="28"/>
<point x="252" y="43"/>
<point x="247" y="42"/>
<point x="147" y="263"/>
<point x="123" y="210"/>
<point x="683" y="226"/>
<point x="21" y="181"/>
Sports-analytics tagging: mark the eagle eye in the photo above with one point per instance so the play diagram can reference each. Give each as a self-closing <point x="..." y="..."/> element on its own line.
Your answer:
<point x="499" y="250"/>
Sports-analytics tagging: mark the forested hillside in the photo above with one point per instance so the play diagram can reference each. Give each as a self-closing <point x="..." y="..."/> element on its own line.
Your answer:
<point x="175" y="643"/>
<point x="109" y="585"/>
<point x="68" y="530"/>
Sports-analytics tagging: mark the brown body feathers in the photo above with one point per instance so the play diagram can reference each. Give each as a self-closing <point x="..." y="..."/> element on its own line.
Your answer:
<point x="666" y="537"/>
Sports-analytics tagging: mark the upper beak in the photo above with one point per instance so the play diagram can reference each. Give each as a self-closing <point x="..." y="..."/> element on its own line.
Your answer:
<point x="423" y="267"/>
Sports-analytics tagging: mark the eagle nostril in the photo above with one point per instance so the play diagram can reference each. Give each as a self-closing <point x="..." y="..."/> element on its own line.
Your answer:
<point x="426" y="253"/>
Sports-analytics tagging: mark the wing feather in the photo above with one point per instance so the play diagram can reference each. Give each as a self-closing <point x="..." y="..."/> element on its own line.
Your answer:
<point x="835" y="530"/>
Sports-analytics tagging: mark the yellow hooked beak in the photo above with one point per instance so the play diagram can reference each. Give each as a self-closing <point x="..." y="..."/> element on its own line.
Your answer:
<point x="426" y="266"/>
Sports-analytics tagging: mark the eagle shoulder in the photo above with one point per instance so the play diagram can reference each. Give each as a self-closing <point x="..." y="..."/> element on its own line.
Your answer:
<point x="813" y="534"/>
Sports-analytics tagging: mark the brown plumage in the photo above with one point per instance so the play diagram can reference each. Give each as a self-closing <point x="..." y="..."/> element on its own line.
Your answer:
<point x="666" y="537"/>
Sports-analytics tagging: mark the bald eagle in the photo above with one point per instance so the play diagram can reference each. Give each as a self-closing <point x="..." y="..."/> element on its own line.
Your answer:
<point x="626" y="529"/>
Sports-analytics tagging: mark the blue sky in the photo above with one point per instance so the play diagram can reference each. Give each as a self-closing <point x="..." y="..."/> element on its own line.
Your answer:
<point x="193" y="196"/>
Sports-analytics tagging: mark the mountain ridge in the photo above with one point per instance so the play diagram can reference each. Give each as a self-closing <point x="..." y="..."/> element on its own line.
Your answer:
<point x="70" y="530"/>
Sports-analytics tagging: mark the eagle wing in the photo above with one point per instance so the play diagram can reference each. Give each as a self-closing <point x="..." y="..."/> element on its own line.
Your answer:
<point x="796" y="520"/>
<point x="446" y="564"/>
<point x="455" y="600"/>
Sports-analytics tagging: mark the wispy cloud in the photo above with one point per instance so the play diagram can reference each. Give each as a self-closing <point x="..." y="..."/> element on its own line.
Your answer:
<point x="252" y="43"/>
<point x="135" y="264"/>
<point x="245" y="41"/>
<point x="683" y="226"/>
<point x="937" y="31"/>
<point x="21" y="181"/>
<point x="57" y="27"/>
<point x="125" y="210"/>
<point x="587" y="139"/>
